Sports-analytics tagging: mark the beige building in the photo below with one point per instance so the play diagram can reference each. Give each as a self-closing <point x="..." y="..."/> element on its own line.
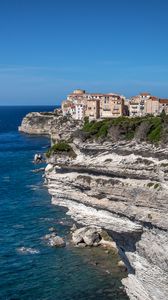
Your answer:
<point x="151" y="106"/>
<point x="111" y="106"/>
<point x="93" y="109"/>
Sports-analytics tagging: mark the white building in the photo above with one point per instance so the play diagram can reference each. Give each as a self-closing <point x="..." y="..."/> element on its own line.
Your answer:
<point x="79" y="111"/>
<point x="137" y="104"/>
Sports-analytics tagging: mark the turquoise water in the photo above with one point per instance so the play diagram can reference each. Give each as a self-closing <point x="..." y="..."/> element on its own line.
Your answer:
<point x="26" y="214"/>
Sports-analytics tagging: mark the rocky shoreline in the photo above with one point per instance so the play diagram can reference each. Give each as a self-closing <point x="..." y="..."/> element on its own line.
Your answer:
<point x="122" y="188"/>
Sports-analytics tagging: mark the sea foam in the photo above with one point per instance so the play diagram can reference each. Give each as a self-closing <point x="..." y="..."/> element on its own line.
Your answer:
<point x="25" y="250"/>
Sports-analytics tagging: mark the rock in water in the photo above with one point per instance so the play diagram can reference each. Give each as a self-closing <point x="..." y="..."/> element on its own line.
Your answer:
<point x="88" y="235"/>
<point x="81" y="245"/>
<point x="56" y="241"/>
<point x="38" y="158"/>
<point x="77" y="236"/>
<point x="122" y="265"/>
<point x="52" y="229"/>
<point x="92" y="237"/>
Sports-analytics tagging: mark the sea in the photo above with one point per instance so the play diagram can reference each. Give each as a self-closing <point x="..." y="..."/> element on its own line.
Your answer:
<point x="29" y="268"/>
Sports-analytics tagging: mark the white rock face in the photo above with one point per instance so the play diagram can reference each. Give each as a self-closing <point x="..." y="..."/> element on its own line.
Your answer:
<point x="124" y="189"/>
<point x="37" y="123"/>
<point x="49" y="123"/>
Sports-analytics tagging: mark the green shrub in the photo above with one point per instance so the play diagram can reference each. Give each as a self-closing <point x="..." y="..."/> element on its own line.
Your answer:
<point x="129" y="135"/>
<point x="155" y="134"/>
<point x="61" y="146"/>
<point x="103" y="130"/>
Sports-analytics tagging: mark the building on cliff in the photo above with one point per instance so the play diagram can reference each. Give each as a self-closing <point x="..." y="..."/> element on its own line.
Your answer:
<point x="80" y="104"/>
<point x="145" y="104"/>
<point x="111" y="106"/>
<point x="137" y="104"/>
<point x="75" y="104"/>
<point x="151" y="106"/>
<point x="93" y="105"/>
<point x="93" y="109"/>
<point x="163" y="105"/>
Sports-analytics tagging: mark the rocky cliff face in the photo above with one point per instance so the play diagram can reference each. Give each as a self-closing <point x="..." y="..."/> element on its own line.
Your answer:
<point x="123" y="188"/>
<point x="49" y="123"/>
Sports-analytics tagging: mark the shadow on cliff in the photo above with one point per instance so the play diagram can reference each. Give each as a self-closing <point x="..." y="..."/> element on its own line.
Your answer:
<point x="126" y="242"/>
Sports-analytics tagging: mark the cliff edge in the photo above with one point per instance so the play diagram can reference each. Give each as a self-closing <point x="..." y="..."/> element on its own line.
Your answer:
<point x="119" y="185"/>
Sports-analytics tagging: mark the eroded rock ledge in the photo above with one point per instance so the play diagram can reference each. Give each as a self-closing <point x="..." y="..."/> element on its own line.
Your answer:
<point x="122" y="188"/>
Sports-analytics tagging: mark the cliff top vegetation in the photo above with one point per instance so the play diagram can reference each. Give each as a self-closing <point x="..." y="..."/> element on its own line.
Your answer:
<point x="149" y="128"/>
<point x="61" y="147"/>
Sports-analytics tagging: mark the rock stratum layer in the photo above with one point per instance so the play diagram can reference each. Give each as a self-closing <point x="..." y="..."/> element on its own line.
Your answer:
<point x="123" y="188"/>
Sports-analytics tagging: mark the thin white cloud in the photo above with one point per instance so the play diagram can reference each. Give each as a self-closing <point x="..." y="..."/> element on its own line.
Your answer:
<point x="22" y="68"/>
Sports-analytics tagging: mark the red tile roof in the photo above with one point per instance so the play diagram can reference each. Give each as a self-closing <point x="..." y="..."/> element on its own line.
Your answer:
<point x="163" y="101"/>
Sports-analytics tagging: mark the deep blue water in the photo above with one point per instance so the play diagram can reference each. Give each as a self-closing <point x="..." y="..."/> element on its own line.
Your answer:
<point x="26" y="214"/>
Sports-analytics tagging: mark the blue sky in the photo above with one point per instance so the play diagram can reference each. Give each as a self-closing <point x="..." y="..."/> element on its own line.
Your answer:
<point x="49" y="48"/>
